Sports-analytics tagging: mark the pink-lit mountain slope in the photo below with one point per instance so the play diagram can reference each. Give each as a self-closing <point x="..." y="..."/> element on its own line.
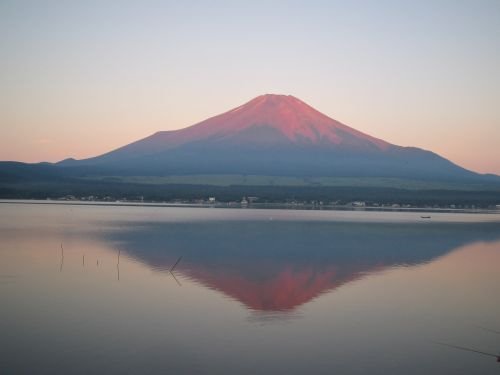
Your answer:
<point x="272" y="135"/>
<point x="268" y="120"/>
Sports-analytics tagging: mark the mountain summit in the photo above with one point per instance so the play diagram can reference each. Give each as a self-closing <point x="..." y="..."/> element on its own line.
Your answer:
<point x="274" y="118"/>
<point x="273" y="135"/>
<point x="267" y="120"/>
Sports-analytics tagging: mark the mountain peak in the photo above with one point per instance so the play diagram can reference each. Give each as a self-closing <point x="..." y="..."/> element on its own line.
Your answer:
<point x="276" y="99"/>
<point x="282" y="96"/>
<point x="288" y="118"/>
<point x="275" y="134"/>
<point x="270" y="121"/>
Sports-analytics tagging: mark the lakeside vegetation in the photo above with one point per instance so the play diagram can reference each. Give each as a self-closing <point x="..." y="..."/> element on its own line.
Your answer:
<point x="106" y="190"/>
<point x="41" y="181"/>
<point x="227" y="180"/>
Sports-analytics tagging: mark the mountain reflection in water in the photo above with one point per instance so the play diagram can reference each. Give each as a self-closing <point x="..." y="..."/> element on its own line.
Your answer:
<point x="279" y="266"/>
<point x="89" y="289"/>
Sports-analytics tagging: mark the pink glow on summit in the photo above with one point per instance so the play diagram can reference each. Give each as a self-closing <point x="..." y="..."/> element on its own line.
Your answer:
<point x="268" y="119"/>
<point x="288" y="115"/>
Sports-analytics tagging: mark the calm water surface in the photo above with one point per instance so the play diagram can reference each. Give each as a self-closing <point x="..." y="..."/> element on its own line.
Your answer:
<point x="89" y="289"/>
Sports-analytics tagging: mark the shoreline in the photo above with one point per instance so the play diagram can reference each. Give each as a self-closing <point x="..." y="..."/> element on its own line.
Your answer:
<point x="254" y="206"/>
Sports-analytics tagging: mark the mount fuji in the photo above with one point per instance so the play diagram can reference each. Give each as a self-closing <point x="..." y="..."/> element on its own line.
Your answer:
<point x="277" y="135"/>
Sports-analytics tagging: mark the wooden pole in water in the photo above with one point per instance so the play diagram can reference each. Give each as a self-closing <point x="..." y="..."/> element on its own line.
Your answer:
<point x="118" y="266"/>
<point x="490" y="330"/>
<point x="62" y="258"/>
<point x="470" y="350"/>
<point x="176" y="263"/>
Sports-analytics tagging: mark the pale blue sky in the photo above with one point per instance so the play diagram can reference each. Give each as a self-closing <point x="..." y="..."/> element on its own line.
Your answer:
<point x="78" y="78"/>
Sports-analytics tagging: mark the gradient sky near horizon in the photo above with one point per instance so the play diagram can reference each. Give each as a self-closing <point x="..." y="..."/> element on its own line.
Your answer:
<point x="79" y="78"/>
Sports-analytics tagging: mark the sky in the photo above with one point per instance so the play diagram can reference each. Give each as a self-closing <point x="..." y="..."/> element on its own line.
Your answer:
<point x="80" y="78"/>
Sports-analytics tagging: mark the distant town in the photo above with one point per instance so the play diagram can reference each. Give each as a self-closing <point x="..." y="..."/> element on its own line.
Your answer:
<point x="256" y="202"/>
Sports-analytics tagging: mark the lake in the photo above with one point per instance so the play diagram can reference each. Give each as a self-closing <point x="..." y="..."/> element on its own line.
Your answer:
<point x="133" y="289"/>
